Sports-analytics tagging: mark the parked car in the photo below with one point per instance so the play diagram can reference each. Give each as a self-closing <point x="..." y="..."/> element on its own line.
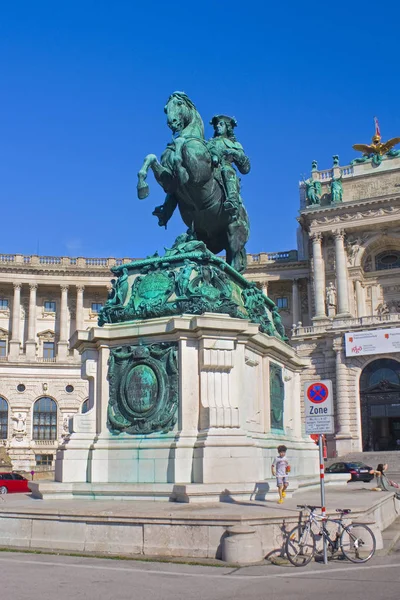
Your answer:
<point x="358" y="470"/>
<point x="13" y="482"/>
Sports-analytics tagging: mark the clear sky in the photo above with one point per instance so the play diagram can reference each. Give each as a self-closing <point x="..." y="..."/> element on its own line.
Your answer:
<point x="83" y="86"/>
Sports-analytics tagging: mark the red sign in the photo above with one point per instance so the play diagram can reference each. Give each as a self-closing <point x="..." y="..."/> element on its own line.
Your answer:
<point x="317" y="393"/>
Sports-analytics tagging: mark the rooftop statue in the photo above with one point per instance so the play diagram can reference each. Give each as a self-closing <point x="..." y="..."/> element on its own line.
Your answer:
<point x="313" y="191"/>
<point x="199" y="178"/>
<point x="377" y="149"/>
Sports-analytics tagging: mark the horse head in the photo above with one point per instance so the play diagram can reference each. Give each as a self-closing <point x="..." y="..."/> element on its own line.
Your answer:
<point x="183" y="116"/>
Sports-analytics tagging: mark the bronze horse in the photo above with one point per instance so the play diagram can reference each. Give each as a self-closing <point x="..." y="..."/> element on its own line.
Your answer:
<point x="187" y="175"/>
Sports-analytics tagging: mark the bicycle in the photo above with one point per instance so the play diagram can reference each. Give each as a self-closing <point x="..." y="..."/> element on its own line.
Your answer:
<point x="356" y="541"/>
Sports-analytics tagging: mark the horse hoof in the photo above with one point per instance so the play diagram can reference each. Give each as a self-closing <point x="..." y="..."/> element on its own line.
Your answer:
<point x="142" y="190"/>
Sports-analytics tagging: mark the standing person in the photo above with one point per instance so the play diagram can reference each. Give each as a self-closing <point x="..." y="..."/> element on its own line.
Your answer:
<point x="280" y="469"/>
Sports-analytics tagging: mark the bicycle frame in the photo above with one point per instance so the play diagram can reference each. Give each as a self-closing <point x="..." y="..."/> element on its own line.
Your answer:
<point x="321" y="521"/>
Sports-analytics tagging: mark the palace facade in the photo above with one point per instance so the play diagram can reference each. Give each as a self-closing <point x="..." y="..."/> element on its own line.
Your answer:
<point x="338" y="295"/>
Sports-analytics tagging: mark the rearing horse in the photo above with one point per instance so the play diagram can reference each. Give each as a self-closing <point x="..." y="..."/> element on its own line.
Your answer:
<point x="187" y="175"/>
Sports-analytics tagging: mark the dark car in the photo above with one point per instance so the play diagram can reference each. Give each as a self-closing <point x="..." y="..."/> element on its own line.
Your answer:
<point x="13" y="482"/>
<point x="358" y="470"/>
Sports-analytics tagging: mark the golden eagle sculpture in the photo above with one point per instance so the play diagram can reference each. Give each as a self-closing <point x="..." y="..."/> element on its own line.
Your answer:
<point x="377" y="149"/>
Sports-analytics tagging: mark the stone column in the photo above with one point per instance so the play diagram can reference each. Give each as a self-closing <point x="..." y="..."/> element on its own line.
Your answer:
<point x="309" y="299"/>
<point x="319" y="277"/>
<point x="264" y="287"/>
<point x="360" y="299"/>
<point x="79" y="306"/>
<point x="295" y="302"/>
<point x="342" y="405"/>
<point x="15" y="342"/>
<point x="31" y="341"/>
<point x="374" y="298"/>
<point x="341" y="276"/>
<point x="62" y="351"/>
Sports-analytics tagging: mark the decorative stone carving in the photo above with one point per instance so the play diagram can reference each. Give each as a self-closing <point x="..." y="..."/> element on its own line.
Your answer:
<point x="65" y="430"/>
<point x="382" y="309"/>
<point x="187" y="279"/>
<point x="331" y="299"/>
<point x="353" y="246"/>
<point x="4" y="334"/>
<point x="19" y="424"/>
<point x="368" y="264"/>
<point x="46" y="336"/>
<point x="143" y="388"/>
<point x="276" y="396"/>
<point x="24" y="308"/>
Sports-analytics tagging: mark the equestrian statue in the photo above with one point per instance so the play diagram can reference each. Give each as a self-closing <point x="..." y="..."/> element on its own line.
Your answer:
<point x="199" y="178"/>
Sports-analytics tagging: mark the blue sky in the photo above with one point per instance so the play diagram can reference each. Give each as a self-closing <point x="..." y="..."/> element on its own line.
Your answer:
<point x="83" y="86"/>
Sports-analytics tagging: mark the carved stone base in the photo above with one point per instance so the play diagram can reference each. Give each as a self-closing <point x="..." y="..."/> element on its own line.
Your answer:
<point x="188" y="399"/>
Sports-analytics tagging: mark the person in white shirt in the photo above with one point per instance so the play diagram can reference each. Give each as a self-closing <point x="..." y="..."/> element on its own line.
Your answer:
<point x="280" y="469"/>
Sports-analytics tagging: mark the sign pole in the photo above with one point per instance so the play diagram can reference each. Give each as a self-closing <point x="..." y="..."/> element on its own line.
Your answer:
<point x="322" y="485"/>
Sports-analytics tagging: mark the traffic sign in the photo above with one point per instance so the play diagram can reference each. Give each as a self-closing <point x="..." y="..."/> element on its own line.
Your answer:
<point x="318" y="404"/>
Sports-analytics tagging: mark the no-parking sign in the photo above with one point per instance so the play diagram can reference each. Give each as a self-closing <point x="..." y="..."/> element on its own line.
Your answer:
<point x="318" y="404"/>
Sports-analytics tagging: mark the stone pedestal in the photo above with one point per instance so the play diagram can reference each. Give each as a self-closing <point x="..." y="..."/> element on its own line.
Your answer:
<point x="186" y="399"/>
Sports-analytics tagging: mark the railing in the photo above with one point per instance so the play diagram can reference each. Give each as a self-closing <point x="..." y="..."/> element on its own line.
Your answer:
<point x="62" y="261"/>
<point x="7" y="258"/>
<point x="42" y="359"/>
<point x="327" y="174"/>
<point x="268" y="257"/>
<point x="96" y="262"/>
<point x="345" y="324"/>
<point x="346" y="171"/>
<point x="50" y="260"/>
<point x="45" y="442"/>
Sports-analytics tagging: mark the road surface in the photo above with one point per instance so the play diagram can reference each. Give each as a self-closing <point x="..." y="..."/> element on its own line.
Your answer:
<point x="26" y="576"/>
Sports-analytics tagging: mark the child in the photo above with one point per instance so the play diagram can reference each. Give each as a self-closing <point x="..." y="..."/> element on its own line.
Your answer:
<point x="280" y="468"/>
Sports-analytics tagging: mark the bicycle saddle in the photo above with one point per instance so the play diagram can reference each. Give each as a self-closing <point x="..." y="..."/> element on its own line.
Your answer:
<point x="308" y="506"/>
<point x="344" y="511"/>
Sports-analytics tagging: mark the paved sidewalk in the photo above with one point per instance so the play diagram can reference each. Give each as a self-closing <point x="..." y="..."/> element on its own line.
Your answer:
<point x="356" y="496"/>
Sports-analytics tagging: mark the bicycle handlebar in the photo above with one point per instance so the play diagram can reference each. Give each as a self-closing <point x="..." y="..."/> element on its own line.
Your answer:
<point x="307" y="506"/>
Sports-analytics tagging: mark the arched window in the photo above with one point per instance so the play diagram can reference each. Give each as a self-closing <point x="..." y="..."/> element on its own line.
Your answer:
<point x="45" y="419"/>
<point x="3" y="419"/>
<point x="390" y="259"/>
<point x="85" y="406"/>
<point x="379" y="372"/>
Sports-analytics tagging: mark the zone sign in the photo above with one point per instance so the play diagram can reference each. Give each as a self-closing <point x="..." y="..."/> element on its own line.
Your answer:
<point x="318" y="400"/>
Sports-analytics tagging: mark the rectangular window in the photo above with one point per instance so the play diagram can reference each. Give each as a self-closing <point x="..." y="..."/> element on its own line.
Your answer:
<point x="3" y="347"/>
<point x="282" y="302"/>
<point x="3" y="303"/>
<point x="96" y="307"/>
<point x="50" y="306"/>
<point x="3" y="424"/>
<point x="44" y="460"/>
<point x="48" y="349"/>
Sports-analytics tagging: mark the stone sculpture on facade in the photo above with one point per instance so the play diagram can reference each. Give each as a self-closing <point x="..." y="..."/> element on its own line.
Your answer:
<point x="19" y="424"/>
<point x="336" y="190"/>
<point x="331" y="299"/>
<point x="313" y="191"/>
<point x="199" y="179"/>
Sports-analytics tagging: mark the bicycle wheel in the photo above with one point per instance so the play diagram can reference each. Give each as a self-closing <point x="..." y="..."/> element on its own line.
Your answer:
<point x="357" y="543"/>
<point x="300" y="546"/>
